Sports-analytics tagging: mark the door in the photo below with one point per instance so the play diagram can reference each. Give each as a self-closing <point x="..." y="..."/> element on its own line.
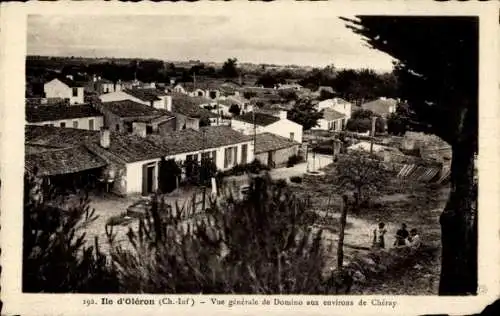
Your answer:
<point x="244" y="153"/>
<point x="270" y="159"/>
<point x="148" y="176"/>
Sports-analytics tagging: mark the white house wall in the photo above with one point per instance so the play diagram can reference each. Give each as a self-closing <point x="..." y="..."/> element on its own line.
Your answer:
<point x="246" y="128"/>
<point x="57" y="89"/>
<point x="220" y="155"/>
<point x="283" y="128"/>
<point x="134" y="176"/>
<point x="83" y="123"/>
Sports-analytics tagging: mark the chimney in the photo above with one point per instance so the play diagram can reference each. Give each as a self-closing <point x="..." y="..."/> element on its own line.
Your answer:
<point x="105" y="140"/>
<point x="69" y="77"/>
<point x="139" y="129"/>
<point x="168" y="103"/>
<point x="283" y="115"/>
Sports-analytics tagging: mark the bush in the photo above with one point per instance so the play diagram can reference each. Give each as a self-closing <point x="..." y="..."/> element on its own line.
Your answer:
<point x="254" y="167"/>
<point x="55" y="257"/>
<point x="259" y="245"/>
<point x="296" y="179"/>
<point x="293" y="160"/>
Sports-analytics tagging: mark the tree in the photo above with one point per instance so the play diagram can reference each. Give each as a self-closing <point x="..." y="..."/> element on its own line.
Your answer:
<point x="437" y="72"/>
<point x="229" y="69"/>
<point x="399" y="122"/>
<point x="260" y="244"/>
<point x="234" y="109"/>
<point x="361" y="173"/>
<point x="361" y="122"/>
<point x="305" y="114"/>
<point x="55" y="256"/>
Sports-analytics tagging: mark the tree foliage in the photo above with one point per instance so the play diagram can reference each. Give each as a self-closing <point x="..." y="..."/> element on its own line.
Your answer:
<point x="55" y="256"/>
<point x="362" y="174"/>
<point x="437" y="70"/>
<point x="258" y="245"/>
<point x="361" y="122"/>
<point x="234" y="109"/>
<point x="305" y="114"/>
<point x="229" y="68"/>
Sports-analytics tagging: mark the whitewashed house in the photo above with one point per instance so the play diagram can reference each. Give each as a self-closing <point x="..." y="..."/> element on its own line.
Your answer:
<point x="251" y="122"/>
<point x="332" y="120"/>
<point x="152" y="97"/>
<point x="81" y="116"/>
<point x="338" y="104"/>
<point x="65" y="89"/>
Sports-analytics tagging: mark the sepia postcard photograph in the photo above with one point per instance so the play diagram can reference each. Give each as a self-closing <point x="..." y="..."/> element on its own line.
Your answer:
<point x="207" y="157"/>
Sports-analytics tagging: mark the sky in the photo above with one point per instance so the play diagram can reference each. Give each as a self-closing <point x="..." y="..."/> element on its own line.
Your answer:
<point x="306" y="40"/>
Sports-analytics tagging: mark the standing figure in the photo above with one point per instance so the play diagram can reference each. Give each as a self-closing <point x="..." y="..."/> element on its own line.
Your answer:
<point x="401" y="236"/>
<point x="379" y="236"/>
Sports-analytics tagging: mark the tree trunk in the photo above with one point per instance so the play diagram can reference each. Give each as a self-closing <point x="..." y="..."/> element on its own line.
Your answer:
<point x="343" y="220"/>
<point x="459" y="226"/>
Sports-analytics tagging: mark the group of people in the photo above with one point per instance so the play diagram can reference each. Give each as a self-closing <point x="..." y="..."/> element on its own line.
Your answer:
<point x="403" y="237"/>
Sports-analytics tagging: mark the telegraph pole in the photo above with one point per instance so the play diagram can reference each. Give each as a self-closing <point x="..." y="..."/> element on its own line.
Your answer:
<point x="254" y="132"/>
<point x="374" y="120"/>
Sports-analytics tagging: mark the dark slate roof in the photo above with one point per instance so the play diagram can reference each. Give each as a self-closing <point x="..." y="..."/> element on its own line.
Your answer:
<point x="62" y="161"/>
<point x="261" y="119"/>
<point x="190" y="140"/>
<point x="331" y="115"/>
<point x="42" y="113"/>
<point x="190" y="106"/>
<point x="129" y="108"/>
<point x="58" y="136"/>
<point x="146" y="94"/>
<point x="379" y="106"/>
<point x="267" y="142"/>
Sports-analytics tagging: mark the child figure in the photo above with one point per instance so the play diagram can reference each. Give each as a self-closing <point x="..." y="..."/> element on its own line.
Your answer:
<point x="379" y="236"/>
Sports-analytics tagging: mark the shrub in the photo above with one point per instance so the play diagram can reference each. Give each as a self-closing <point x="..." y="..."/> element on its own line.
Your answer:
<point x="259" y="245"/>
<point x="254" y="167"/>
<point x="294" y="159"/>
<point x="296" y="179"/>
<point x="55" y="257"/>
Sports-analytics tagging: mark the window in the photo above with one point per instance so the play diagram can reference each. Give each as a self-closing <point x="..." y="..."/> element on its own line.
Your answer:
<point x="214" y="156"/>
<point x="205" y="155"/>
<point x="75" y="124"/>
<point x="62" y="124"/>
<point x="292" y="136"/>
<point x="149" y="129"/>
<point x="334" y="125"/>
<point x="91" y="124"/>
<point x="244" y="153"/>
<point x="128" y="127"/>
<point x="228" y="157"/>
<point x="75" y="92"/>
<point x="235" y="155"/>
<point x="117" y="127"/>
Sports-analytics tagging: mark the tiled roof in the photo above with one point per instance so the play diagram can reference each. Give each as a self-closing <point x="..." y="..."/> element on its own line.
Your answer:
<point x="58" y="136"/>
<point x="332" y="115"/>
<point x="261" y="119"/>
<point x="127" y="148"/>
<point x="190" y="106"/>
<point x="190" y="140"/>
<point x="267" y="142"/>
<point x="42" y="113"/>
<point x="146" y="94"/>
<point x="379" y="106"/>
<point x="62" y="161"/>
<point x="129" y="108"/>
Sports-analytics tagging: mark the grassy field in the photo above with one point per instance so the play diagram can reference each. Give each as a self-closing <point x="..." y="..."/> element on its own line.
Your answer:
<point x="416" y="204"/>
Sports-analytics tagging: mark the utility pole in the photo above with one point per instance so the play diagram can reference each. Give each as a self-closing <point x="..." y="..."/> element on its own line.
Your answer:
<point x="254" y="132"/>
<point x="374" y="120"/>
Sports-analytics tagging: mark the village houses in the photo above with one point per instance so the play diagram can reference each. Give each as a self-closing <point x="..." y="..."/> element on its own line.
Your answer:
<point x="256" y="122"/>
<point x="129" y="164"/>
<point x="81" y="116"/>
<point x="64" y="88"/>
